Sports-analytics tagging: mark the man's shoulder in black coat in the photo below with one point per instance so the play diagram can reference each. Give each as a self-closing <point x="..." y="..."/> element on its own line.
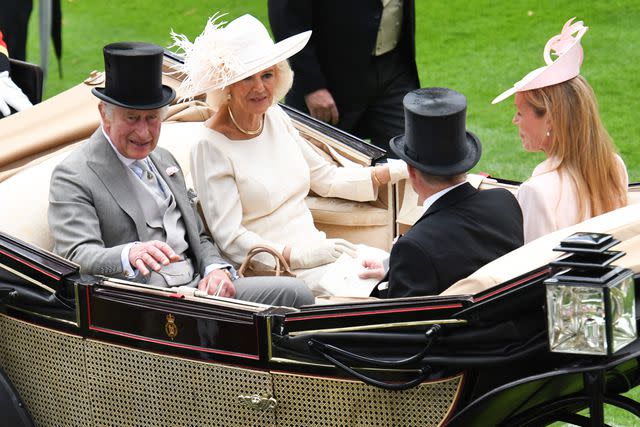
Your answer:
<point x="462" y="231"/>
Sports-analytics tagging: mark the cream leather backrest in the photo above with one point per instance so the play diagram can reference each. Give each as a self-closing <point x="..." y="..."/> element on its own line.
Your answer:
<point x="623" y="224"/>
<point x="178" y="138"/>
<point x="25" y="200"/>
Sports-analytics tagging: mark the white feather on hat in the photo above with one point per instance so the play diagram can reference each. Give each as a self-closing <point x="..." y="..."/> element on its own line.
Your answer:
<point x="227" y="53"/>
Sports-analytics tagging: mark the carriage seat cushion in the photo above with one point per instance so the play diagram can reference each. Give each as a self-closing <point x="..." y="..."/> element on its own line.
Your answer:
<point x="25" y="200"/>
<point x="333" y="211"/>
<point x="623" y="224"/>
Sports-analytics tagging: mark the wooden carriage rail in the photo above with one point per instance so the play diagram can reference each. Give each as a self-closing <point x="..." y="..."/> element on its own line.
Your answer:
<point x="47" y="263"/>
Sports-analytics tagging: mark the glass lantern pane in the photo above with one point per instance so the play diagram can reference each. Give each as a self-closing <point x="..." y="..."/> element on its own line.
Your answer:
<point x="576" y="317"/>
<point x="623" y="313"/>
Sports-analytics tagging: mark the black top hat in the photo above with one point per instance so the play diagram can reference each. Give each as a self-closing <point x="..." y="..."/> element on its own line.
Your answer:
<point x="134" y="76"/>
<point x="436" y="140"/>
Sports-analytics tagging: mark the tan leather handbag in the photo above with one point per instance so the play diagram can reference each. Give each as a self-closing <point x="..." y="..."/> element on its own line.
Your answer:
<point x="281" y="268"/>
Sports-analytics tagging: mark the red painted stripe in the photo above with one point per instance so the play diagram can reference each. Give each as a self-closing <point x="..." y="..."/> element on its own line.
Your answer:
<point x="88" y="307"/>
<point x="506" y="288"/>
<point x="46" y="273"/>
<point x="184" y="346"/>
<point x="361" y="313"/>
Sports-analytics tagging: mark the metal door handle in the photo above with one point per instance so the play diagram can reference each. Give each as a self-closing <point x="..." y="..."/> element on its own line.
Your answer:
<point x="257" y="402"/>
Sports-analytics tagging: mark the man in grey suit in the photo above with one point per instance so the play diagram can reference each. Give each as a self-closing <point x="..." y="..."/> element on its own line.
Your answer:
<point x="118" y="206"/>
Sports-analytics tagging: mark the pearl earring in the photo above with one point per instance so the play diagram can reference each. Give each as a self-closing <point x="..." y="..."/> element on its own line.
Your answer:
<point x="548" y="133"/>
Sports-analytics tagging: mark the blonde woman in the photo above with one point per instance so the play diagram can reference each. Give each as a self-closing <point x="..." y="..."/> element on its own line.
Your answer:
<point x="251" y="168"/>
<point x="557" y="114"/>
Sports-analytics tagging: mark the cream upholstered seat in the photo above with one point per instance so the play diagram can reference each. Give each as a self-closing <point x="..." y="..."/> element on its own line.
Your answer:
<point x="25" y="199"/>
<point x="623" y="224"/>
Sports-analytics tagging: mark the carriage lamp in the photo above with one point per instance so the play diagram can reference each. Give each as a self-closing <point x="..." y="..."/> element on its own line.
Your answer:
<point x="591" y="311"/>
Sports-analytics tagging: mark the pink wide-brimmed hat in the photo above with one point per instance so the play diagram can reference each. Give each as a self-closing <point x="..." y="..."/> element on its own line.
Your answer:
<point x="223" y="55"/>
<point x="566" y="46"/>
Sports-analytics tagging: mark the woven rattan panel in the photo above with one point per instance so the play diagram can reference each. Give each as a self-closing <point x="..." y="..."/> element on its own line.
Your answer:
<point x="312" y="401"/>
<point x="137" y="388"/>
<point x="48" y="369"/>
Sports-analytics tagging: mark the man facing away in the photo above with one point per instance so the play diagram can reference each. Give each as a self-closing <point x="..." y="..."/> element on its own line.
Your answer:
<point x="462" y="228"/>
<point x="118" y="205"/>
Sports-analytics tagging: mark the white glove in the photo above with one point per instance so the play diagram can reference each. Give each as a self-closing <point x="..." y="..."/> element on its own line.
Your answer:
<point x="397" y="170"/>
<point x="11" y="95"/>
<point x="323" y="253"/>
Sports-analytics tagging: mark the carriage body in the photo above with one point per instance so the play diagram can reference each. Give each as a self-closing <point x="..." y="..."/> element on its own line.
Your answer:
<point x="85" y="350"/>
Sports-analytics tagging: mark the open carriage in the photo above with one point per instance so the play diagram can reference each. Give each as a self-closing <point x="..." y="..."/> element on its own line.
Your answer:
<point x="84" y="350"/>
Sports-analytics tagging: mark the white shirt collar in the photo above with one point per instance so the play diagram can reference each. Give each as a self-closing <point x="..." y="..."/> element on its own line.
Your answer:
<point x="125" y="160"/>
<point x="429" y="201"/>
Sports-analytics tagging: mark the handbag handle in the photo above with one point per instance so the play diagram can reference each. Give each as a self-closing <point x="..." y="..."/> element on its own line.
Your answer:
<point x="281" y="264"/>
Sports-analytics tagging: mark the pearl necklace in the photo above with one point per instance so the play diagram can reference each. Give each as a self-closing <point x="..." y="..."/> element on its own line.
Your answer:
<point x="248" y="132"/>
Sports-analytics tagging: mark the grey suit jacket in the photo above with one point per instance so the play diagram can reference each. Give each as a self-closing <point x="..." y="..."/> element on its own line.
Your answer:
<point x="93" y="213"/>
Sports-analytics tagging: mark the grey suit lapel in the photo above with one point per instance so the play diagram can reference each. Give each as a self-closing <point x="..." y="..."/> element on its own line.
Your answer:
<point x="113" y="174"/>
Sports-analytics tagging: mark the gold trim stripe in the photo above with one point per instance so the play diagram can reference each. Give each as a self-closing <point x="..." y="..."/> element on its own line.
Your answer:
<point x="33" y="313"/>
<point x="379" y="326"/>
<point x="27" y="278"/>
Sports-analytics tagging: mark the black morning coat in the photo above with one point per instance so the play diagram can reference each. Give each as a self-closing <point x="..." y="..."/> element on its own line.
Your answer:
<point x="341" y="45"/>
<point x="462" y="231"/>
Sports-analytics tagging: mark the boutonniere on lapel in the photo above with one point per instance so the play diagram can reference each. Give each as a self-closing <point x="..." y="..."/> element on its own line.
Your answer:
<point x="172" y="170"/>
<point x="192" y="196"/>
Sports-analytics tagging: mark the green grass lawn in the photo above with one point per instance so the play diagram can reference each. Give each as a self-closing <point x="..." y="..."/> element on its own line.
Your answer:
<point x="478" y="47"/>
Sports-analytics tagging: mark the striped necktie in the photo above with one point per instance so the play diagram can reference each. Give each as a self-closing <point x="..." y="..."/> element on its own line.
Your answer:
<point x="146" y="175"/>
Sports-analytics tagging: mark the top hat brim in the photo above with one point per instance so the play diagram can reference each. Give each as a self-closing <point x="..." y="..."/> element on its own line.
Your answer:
<point x="473" y="153"/>
<point x="168" y="95"/>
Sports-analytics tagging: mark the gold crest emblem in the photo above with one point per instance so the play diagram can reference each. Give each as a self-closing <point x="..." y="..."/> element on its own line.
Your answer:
<point x="170" y="328"/>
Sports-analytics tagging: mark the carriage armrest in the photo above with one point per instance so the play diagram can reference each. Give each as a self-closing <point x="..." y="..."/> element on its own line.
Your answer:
<point x="623" y="224"/>
<point x="334" y="211"/>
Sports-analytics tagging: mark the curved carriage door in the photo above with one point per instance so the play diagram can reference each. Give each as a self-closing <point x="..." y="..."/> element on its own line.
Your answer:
<point x="158" y="358"/>
<point x="133" y="387"/>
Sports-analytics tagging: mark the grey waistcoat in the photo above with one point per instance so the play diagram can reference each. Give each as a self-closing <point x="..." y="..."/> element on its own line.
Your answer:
<point x="164" y="223"/>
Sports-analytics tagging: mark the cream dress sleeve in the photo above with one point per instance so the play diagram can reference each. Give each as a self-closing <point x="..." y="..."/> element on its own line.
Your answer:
<point x="329" y="180"/>
<point x="214" y="180"/>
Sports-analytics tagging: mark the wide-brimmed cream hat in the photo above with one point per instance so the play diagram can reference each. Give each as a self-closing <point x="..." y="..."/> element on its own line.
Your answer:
<point x="223" y="55"/>
<point x="569" y="54"/>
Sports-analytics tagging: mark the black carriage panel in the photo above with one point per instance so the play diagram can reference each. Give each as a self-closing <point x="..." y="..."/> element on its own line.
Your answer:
<point x="37" y="285"/>
<point x="169" y="322"/>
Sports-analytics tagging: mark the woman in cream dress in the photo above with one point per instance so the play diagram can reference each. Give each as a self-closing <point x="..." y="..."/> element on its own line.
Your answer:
<point x="557" y="114"/>
<point x="251" y="168"/>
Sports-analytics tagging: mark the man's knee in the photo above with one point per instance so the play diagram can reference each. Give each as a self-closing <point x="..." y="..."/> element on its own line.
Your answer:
<point x="283" y="291"/>
<point x="297" y="291"/>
